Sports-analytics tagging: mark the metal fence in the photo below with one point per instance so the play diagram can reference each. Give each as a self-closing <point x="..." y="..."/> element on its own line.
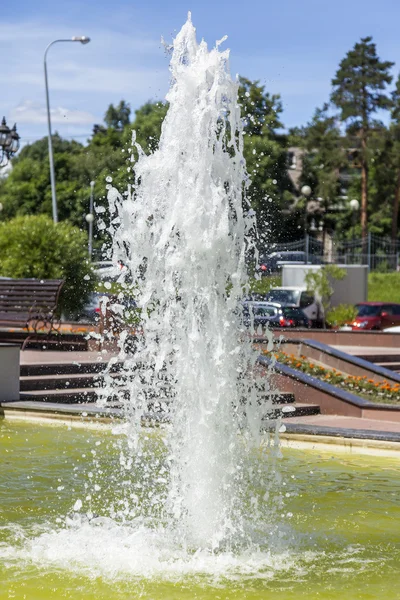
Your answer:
<point x="379" y="253"/>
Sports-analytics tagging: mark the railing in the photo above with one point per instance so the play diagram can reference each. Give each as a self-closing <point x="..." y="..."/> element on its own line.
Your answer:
<point x="379" y="253"/>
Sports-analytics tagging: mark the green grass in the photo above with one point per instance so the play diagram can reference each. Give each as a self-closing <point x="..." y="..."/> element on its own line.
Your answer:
<point x="384" y="287"/>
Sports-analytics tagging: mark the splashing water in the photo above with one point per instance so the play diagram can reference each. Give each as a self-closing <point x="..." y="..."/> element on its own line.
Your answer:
<point x="181" y="233"/>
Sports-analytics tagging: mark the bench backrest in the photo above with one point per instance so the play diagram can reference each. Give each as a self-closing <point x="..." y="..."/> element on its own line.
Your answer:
<point x="21" y="299"/>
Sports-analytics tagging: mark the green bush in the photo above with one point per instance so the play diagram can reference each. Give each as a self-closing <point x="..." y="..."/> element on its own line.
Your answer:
<point x="341" y="315"/>
<point x="35" y="247"/>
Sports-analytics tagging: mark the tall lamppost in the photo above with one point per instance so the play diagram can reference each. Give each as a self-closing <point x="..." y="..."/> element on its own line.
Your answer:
<point x="83" y="40"/>
<point x="306" y="192"/>
<point x="355" y="206"/>
<point x="90" y="219"/>
<point x="9" y="142"/>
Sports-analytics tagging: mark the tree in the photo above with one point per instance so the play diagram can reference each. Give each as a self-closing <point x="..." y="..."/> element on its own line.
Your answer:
<point x="325" y="155"/>
<point x="395" y="137"/>
<point x="117" y="117"/>
<point x="270" y="190"/>
<point x="358" y="92"/>
<point x="147" y="124"/>
<point x="33" y="246"/>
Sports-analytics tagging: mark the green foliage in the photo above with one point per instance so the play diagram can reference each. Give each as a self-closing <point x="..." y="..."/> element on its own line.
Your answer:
<point x="35" y="247"/>
<point x="117" y="117"/>
<point x="326" y="155"/>
<point x="270" y="190"/>
<point x="320" y="282"/>
<point x="264" y="284"/>
<point x="147" y="124"/>
<point x="359" y="84"/>
<point x="341" y="315"/>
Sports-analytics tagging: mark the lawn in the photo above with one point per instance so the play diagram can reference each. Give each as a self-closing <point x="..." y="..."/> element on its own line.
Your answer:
<point x="384" y="287"/>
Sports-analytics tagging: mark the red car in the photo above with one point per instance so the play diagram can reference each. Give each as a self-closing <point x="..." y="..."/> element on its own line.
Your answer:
<point x="376" y="316"/>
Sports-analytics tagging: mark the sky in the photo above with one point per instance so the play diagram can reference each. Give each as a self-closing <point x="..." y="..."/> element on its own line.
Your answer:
<point x="292" y="47"/>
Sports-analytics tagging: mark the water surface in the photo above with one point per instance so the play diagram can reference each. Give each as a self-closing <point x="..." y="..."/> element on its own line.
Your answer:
<point x="333" y="530"/>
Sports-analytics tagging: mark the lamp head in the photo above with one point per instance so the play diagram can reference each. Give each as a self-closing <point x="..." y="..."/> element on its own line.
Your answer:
<point x="83" y="39"/>
<point x="354" y="204"/>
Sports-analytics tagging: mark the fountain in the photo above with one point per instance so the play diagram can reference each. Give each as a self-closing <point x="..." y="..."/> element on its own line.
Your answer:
<point x="181" y="234"/>
<point x="204" y="505"/>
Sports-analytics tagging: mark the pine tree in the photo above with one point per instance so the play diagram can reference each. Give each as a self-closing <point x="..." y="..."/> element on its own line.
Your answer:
<point x="358" y="92"/>
<point x="325" y="154"/>
<point x="395" y="135"/>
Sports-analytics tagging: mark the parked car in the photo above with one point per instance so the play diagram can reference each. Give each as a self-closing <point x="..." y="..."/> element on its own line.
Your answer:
<point x="376" y="316"/>
<point x="274" y="315"/>
<point x="301" y="298"/>
<point x="273" y="263"/>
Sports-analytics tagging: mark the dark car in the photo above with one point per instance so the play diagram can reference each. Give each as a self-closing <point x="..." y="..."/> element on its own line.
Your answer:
<point x="273" y="315"/>
<point x="376" y="316"/>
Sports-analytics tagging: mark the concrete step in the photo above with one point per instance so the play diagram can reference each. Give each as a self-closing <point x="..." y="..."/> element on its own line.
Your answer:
<point x="60" y="396"/>
<point x="382" y="359"/>
<point x="70" y="368"/>
<point x="58" y="382"/>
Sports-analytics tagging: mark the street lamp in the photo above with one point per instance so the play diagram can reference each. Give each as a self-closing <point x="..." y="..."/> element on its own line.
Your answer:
<point x="354" y="205"/>
<point x="306" y="192"/>
<point x="90" y="219"/>
<point x="83" y="40"/>
<point x="9" y="142"/>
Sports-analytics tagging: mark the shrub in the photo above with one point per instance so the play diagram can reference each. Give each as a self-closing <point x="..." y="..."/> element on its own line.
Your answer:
<point x="341" y="315"/>
<point x="35" y="247"/>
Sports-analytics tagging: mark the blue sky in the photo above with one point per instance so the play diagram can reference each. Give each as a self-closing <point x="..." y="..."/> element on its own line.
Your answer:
<point x="292" y="47"/>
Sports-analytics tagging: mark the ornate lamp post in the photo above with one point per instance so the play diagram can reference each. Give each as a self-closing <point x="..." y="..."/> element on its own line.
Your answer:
<point x="9" y="142"/>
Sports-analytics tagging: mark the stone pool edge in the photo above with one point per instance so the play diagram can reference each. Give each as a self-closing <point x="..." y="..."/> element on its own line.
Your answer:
<point x="312" y="437"/>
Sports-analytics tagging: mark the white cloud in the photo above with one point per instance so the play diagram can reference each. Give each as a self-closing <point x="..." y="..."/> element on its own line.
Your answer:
<point x="35" y="113"/>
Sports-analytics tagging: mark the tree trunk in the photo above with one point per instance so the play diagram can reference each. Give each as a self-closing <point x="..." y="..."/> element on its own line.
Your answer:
<point x="364" y="195"/>
<point x="396" y="203"/>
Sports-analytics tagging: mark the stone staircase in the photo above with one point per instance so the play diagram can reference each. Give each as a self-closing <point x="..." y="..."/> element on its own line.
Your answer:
<point x="66" y="383"/>
<point x="389" y="361"/>
<point x="75" y="384"/>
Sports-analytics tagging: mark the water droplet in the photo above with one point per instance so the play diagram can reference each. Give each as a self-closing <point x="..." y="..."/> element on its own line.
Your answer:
<point x="77" y="505"/>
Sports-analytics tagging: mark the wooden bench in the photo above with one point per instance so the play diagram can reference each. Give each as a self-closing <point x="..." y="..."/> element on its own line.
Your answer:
<point x="30" y="304"/>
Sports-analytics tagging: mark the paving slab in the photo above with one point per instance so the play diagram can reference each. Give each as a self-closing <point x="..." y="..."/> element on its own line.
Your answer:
<point x="350" y="427"/>
<point x="32" y="357"/>
<point x="368" y="350"/>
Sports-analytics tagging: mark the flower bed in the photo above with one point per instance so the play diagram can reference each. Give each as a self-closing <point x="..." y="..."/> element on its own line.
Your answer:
<point x="380" y="392"/>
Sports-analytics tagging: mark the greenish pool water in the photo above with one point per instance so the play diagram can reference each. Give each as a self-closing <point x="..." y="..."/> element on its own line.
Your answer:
<point x="334" y="534"/>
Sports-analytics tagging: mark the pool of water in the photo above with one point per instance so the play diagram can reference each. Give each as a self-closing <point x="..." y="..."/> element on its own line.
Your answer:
<point x="71" y="525"/>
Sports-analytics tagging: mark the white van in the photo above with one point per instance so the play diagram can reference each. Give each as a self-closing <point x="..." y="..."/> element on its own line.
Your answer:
<point x="302" y="298"/>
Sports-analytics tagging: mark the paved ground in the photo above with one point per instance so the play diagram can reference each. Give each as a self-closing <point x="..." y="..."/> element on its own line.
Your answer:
<point x="366" y="350"/>
<point x="28" y="357"/>
<point x="347" y="423"/>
